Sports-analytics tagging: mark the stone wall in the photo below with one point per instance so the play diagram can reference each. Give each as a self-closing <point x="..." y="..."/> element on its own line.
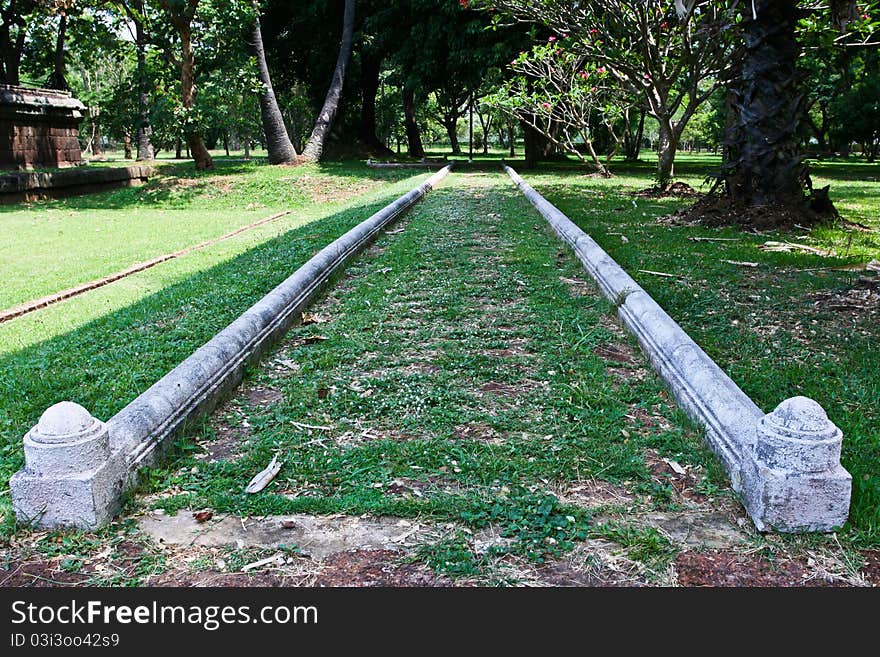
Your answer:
<point x="36" y="185"/>
<point x="39" y="128"/>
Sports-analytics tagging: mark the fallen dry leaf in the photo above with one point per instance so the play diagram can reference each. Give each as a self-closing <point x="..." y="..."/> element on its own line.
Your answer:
<point x="203" y="516"/>
<point x="263" y="478"/>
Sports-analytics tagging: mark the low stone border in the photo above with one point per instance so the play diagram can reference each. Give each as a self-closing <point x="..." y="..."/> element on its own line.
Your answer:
<point x="77" y="468"/>
<point x="35" y="185"/>
<point x="785" y="465"/>
<point x="406" y="165"/>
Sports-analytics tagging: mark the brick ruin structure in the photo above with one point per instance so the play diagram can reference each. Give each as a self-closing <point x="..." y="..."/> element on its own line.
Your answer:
<point x="39" y="128"/>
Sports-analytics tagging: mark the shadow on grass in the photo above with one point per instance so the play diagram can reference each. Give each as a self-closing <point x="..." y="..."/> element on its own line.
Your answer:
<point x="179" y="185"/>
<point x="109" y="361"/>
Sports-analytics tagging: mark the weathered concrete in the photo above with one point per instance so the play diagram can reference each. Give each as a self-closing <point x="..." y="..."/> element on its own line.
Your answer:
<point x="39" y="128"/>
<point x="315" y="536"/>
<point x="786" y="466"/>
<point x="32" y="186"/>
<point x="89" y="495"/>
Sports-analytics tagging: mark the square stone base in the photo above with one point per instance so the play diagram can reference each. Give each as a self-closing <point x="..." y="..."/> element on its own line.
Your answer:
<point x="86" y="500"/>
<point x="783" y="501"/>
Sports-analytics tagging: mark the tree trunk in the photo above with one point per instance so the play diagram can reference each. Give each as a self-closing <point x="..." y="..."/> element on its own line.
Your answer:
<point x="315" y="146"/>
<point x="764" y="164"/>
<point x="144" y="128"/>
<point x="413" y="136"/>
<point x="633" y="143"/>
<point x="194" y="140"/>
<point x="56" y="78"/>
<point x="178" y="149"/>
<point x="451" y="125"/>
<point x="667" y="145"/>
<point x="371" y="69"/>
<point x="12" y="54"/>
<point x="278" y="144"/>
<point x="126" y="143"/>
<point x="536" y="146"/>
<point x="97" y="150"/>
<point x="511" y="138"/>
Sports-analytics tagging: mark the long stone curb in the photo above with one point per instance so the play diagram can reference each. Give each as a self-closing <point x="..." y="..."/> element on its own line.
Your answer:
<point x="77" y="468"/>
<point x="785" y="465"/>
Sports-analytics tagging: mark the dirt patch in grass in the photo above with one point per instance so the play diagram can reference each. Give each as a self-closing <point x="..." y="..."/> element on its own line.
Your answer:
<point x="862" y="298"/>
<point x="729" y="568"/>
<point x="409" y="488"/>
<point x="666" y="471"/>
<point x="871" y="569"/>
<point x="646" y="421"/>
<point x="263" y="396"/>
<point x="715" y="211"/>
<point x="477" y="432"/>
<point x="578" y="287"/>
<point x="618" y="353"/>
<point x="320" y="189"/>
<point x="227" y="444"/>
<point x="628" y="373"/>
<point x="509" y="390"/>
<point x="211" y="578"/>
<point x="675" y="190"/>
<point x="595" y="562"/>
<point x="595" y="493"/>
<point x="375" y="568"/>
<point x="40" y="573"/>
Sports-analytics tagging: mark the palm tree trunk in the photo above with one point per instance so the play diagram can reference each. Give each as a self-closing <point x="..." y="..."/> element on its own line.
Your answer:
<point x="278" y="144"/>
<point x="315" y="146"/>
<point x="764" y="164"/>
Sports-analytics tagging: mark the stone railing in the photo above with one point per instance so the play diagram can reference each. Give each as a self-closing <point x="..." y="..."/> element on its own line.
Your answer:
<point x="785" y="465"/>
<point x="77" y="467"/>
<point x="34" y="185"/>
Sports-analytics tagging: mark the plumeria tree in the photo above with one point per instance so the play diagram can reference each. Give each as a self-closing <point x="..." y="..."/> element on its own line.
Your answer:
<point x="562" y="96"/>
<point x="671" y="56"/>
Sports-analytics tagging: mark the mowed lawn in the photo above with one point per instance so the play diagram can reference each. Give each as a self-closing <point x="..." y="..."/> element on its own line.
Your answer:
<point x="779" y="323"/>
<point x="785" y="323"/>
<point x="48" y="246"/>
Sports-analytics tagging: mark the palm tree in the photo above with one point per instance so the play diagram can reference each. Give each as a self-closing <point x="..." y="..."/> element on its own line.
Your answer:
<point x="315" y="146"/>
<point x="278" y="144"/>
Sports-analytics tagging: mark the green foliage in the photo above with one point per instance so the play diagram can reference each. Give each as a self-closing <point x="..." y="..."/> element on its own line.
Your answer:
<point x="857" y="116"/>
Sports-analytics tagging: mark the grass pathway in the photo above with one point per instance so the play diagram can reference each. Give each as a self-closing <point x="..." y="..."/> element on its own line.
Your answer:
<point x="465" y="374"/>
<point x="463" y="403"/>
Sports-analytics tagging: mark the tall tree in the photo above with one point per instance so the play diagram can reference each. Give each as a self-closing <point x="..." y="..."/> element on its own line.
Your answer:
<point x="13" y="31"/>
<point x="278" y="144"/>
<point x="315" y="146"/>
<point x="413" y="134"/>
<point x="672" y="61"/>
<point x="136" y="11"/>
<point x="182" y="14"/>
<point x="764" y="166"/>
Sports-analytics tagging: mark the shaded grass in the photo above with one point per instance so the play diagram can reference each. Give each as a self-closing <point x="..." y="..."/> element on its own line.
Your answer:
<point x="770" y="327"/>
<point x="51" y="245"/>
<point x="417" y="397"/>
<point x="106" y="363"/>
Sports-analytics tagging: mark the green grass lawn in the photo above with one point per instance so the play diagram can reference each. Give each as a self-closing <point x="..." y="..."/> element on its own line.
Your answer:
<point x="783" y="328"/>
<point x="52" y="245"/>
<point x="465" y="369"/>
